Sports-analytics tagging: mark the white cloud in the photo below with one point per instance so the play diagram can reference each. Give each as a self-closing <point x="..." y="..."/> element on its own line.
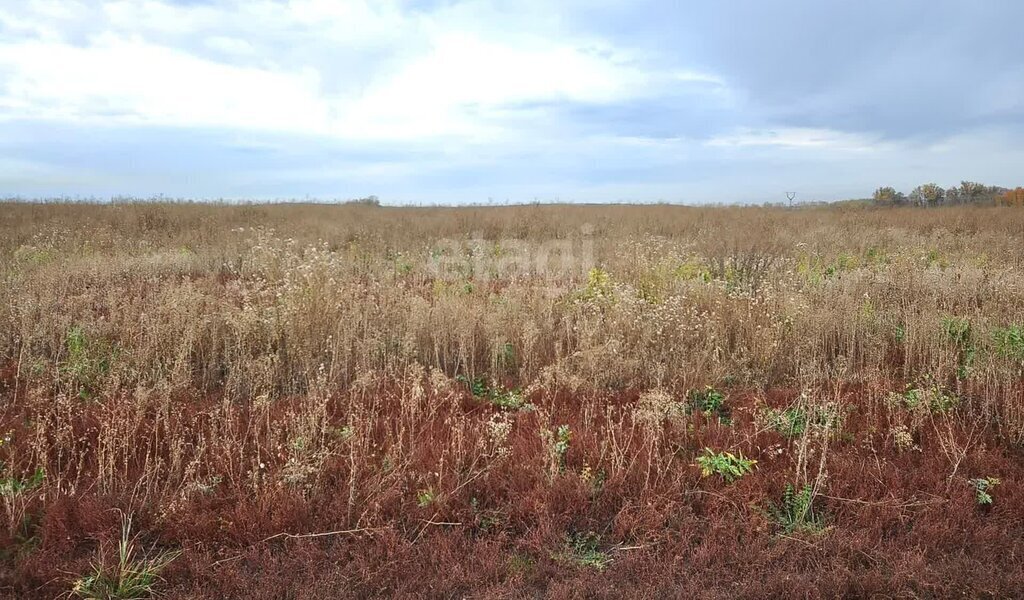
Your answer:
<point x="129" y="80"/>
<point x="465" y="83"/>
<point x="351" y="70"/>
<point x="230" y="45"/>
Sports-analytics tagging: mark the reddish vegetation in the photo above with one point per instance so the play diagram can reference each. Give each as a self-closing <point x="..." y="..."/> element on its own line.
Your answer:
<point x="300" y="402"/>
<point x="898" y="526"/>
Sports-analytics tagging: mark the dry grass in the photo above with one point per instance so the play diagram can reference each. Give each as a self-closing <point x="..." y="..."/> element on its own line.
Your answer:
<point x="242" y="379"/>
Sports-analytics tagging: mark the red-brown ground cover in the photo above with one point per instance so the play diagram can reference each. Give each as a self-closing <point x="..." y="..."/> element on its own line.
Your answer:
<point x="897" y="524"/>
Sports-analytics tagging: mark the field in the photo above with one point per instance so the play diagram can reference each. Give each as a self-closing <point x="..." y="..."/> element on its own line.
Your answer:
<point x="310" y="401"/>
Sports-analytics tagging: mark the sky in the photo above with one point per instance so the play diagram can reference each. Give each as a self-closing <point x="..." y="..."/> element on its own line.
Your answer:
<point x="448" y="102"/>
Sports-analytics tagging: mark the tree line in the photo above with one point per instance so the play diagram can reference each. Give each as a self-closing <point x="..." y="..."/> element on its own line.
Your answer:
<point x="968" y="192"/>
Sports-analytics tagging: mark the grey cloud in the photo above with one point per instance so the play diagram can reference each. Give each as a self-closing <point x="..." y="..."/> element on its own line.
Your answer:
<point x="898" y="69"/>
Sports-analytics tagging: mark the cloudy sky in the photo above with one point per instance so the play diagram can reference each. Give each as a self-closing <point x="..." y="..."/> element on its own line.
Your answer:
<point x="447" y="101"/>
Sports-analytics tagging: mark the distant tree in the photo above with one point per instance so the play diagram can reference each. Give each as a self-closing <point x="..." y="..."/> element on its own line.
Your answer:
<point x="367" y="201"/>
<point x="888" y="196"/>
<point x="971" y="192"/>
<point x="929" y="194"/>
<point x="1013" y="197"/>
<point x="953" y="196"/>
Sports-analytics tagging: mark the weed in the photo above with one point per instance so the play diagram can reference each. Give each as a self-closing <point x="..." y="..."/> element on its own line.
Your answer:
<point x="983" y="489"/>
<point x="505" y="399"/>
<point x="903" y="439"/>
<point x="87" y="361"/>
<point x="1009" y="342"/>
<point x="795" y="513"/>
<point x="710" y="402"/>
<point x="25" y="538"/>
<point x="725" y="464"/>
<point x="486" y="520"/>
<point x="931" y="398"/>
<point x="790" y="422"/>
<point x="599" y="287"/>
<point x="425" y="497"/>
<point x="12" y="486"/>
<point x="958" y="331"/>
<point x="477" y="386"/>
<point x="595" y="480"/>
<point x="793" y="421"/>
<point x="342" y="434"/>
<point x="508" y="399"/>
<point x="520" y="563"/>
<point x="133" y="577"/>
<point x="558" y="446"/>
<point x="268" y="382"/>
<point x="583" y="550"/>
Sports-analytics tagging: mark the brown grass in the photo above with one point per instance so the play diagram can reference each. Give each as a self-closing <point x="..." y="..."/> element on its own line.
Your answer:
<point x="283" y="394"/>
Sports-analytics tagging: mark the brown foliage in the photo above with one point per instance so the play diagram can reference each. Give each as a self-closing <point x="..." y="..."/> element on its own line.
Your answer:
<point x="292" y="398"/>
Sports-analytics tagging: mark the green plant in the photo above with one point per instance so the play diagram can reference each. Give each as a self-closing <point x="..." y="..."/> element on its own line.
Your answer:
<point x="507" y="357"/>
<point x="426" y="497"/>
<point x="24" y="538"/>
<point x="86" y="362"/>
<point x="132" y="578"/>
<point x="563" y="435"/>
<point x="507" y="399"/>
<point x="958" y="331"/>
<point x="793" y="421"/>
<point x="790" y="422"/>
<point x="344" y="433"/>
<point x="795" y="513"/>
<point x="477" y="386"/>
<point x="1009" y="342"/>
<point x="932" y="398"/>
<point x="709" y="401"/>
<point x="583" y="549"/>
<point x="983" y="489"/>
<point x="497" y="395"/>
<point x="726" y="464"/>
<point x="520" y="563"/>
<point x="12" y="486"/>
<point x="557" y="444"/>
<point x="486" y="520"/>
<point x="599" y="286"/>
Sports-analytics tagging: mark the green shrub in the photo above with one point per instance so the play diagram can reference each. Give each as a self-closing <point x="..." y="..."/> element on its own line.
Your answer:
<point x="958" y="331"/>
<point x="599" y="288"/>
<point x="709" y="401"/>
<point x="795" y="513"/>
<point x="497" y="395"/>
<point x="12" y="486"/>
<point x="725" y="464"/>
<point x="583" y="549"/>
<point x="425" y="497"/>
<point x="794" y="421"/>
<point x="790" y="422"/>
<point x="563" y="435"/>
<point x="933" y="398"/>
<point x="86" y="362"/>
<point x="1009" y="342"/>
<point x="983" y="489"/>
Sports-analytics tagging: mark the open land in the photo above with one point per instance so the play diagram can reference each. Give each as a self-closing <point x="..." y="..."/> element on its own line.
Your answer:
<point x="312" y="401"/>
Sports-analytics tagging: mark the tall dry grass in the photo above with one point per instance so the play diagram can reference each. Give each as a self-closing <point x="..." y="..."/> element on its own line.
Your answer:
<point x="235" y="373"/>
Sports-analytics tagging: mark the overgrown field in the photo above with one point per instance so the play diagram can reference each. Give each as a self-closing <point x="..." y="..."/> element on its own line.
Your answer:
<point x="297" y="401"/>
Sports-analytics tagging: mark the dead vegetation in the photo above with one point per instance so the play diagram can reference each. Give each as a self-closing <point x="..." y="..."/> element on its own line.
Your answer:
<point x="294" y="401"/>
